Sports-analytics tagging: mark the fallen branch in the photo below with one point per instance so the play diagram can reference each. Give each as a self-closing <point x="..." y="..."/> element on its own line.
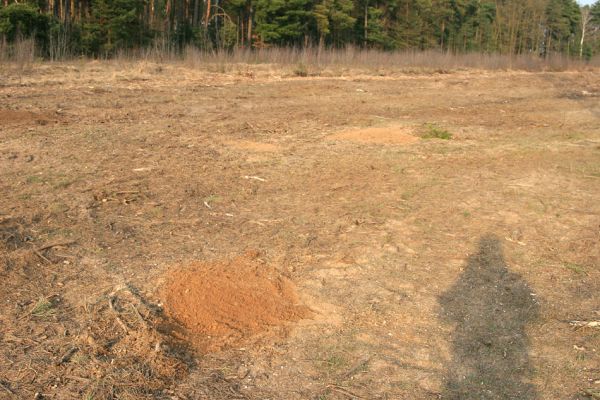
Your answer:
<point x="56" y="244"/>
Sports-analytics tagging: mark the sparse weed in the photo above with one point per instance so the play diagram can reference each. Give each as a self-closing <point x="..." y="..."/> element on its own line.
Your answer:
<point x="301" y="70"/>
<point x="89" y="396"/>
<point x="335" y="362"/>
<point x="34" y="179"/>
<point x="63" y="183"/>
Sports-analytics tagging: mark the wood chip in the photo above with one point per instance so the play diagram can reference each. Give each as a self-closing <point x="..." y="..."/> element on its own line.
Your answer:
<point x="585" y="324"/>
<point x="256" y="178"/>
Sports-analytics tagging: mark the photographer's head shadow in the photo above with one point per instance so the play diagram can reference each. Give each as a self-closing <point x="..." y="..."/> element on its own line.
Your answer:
<point x="490" y="307"/>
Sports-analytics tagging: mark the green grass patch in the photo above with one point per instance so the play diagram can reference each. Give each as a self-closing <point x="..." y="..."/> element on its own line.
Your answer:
<point x="577" y="268"/>
<point x="34" y="179"/>
<point x="433" y="131"/>
<point x="43" y="308"/>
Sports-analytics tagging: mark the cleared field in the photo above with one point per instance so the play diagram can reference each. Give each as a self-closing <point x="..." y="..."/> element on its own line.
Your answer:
<point x="174" y="233"/>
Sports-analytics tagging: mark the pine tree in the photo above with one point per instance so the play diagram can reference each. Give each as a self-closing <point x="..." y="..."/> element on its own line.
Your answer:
<point x="562" y="22"/>
<point x="282" y="21"/>
<point x="334" y="20"/>
<point x="114" y="24"/>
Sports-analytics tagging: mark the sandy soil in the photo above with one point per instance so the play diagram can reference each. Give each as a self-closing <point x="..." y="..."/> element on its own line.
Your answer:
<point x="432" y="268"/>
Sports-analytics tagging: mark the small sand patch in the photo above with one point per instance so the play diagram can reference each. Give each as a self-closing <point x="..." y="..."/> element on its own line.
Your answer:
<point x="18" y="117"/>
<point x="225" y="303"/>
<point x="380" y="135"/>
<point x="248" y="145"/>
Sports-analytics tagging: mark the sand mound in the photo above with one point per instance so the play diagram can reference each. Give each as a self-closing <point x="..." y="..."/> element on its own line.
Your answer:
<point x="382" y="135"/>
<point x="223" y="304"/>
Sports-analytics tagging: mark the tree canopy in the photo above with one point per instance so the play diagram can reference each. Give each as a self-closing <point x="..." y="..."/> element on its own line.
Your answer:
<point x="100" y="27"/>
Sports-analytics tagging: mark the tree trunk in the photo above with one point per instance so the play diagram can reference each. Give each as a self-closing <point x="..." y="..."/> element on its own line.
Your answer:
<point x="585" y="19"/>
<point x="321" y="42"/>
<point x="443" y="29"/>
<point x="366" y="23"/>
<point x="67" y="13"/>
<point x="56" y="8"/>
<point x="250" y="27"/>
<point x="196" y="10"/>
<point x="207" y="18"/>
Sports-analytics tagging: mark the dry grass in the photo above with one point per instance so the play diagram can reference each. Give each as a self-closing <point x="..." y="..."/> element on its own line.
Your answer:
<point x="353" y="57"/>
<point x="21" y="53"/>
<point x="308" y="60"/>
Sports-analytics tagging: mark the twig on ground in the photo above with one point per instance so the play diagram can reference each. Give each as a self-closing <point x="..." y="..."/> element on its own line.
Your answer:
<point x="77" y="378"/>
<point x="345" y="392"/>
<point x="67" y="356"/>
<point x="38" y="251"/>
<point x="40" y="255"/>
<point x="119" y="320"/>
<point x="127" y="192"/>
<point x="142" y="320"/>
<point x="3" y="386"/>
<point x="361" y="365"/>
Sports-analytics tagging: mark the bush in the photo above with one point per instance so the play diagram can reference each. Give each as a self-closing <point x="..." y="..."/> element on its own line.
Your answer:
<point x="24" y="21"/>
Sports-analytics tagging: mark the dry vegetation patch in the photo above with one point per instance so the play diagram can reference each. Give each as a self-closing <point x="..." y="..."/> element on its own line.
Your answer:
<point x="472" y="193"/>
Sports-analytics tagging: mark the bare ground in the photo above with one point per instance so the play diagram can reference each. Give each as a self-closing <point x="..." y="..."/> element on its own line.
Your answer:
<point x="433" y="268"/>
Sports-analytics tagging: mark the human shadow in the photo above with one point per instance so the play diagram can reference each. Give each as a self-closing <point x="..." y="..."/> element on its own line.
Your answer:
<point x="491" y="307"/>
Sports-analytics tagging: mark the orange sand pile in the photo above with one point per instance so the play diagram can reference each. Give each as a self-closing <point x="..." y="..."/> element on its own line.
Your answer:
<point x="223" y="303"/>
